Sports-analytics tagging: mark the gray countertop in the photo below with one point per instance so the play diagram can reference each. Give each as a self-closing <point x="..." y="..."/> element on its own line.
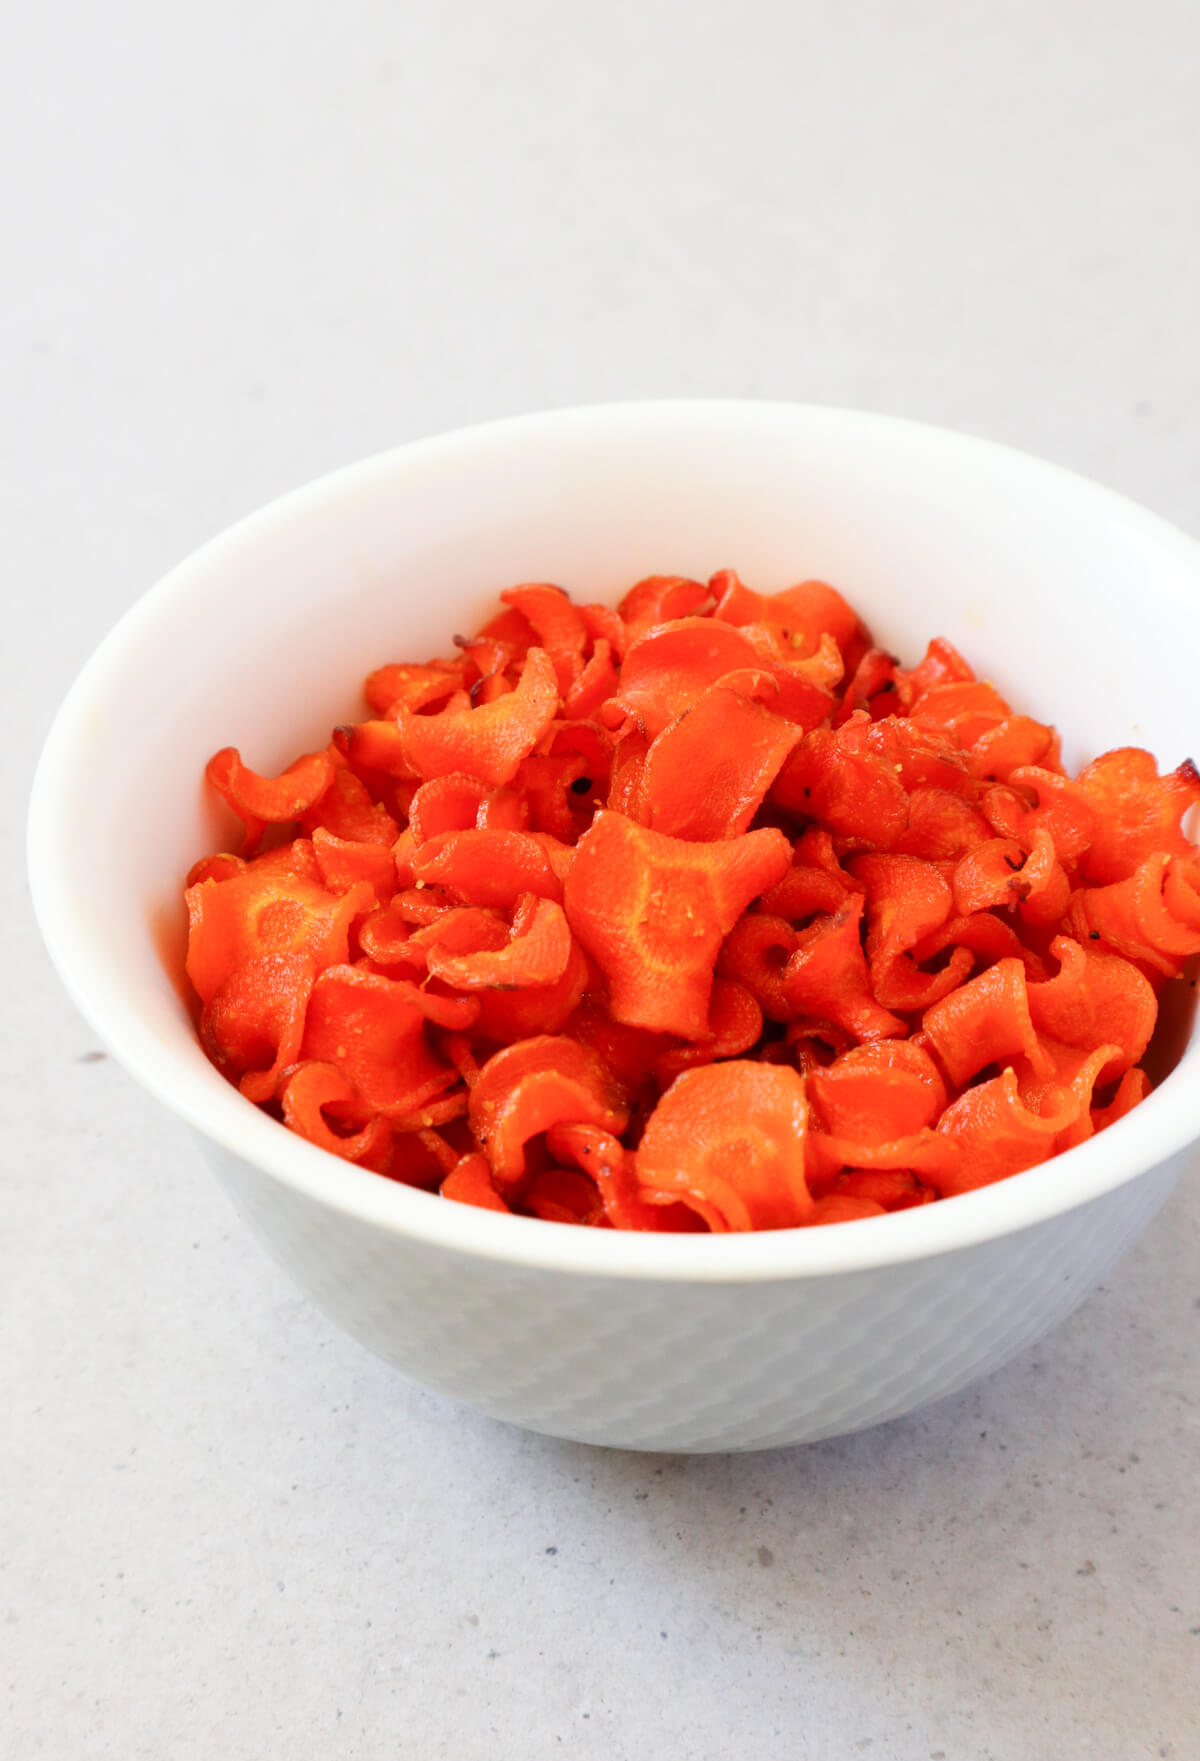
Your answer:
<point x="244" y="244"/>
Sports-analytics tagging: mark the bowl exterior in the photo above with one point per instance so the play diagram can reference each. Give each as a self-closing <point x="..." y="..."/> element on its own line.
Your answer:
<point x="691" y="1367"/>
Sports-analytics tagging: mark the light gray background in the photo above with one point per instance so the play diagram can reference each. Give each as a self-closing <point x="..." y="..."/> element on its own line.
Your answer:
<point x="243" y="243"/>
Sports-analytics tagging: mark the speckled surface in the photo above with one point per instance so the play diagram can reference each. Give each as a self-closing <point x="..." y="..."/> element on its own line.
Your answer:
<point x="245" y="247"/>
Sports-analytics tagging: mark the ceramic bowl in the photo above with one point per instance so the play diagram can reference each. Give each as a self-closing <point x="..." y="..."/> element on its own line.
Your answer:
<point x="1082" y="607"/>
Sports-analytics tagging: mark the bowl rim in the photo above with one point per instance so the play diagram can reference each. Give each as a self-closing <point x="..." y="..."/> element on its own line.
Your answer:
<point x="1163" y="1127"/>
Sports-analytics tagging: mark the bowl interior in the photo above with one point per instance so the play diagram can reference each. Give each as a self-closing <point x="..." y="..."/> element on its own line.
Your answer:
<point x="1082" y="608"/>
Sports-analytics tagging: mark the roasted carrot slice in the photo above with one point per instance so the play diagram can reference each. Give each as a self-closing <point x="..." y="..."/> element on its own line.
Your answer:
<point x="312" y="1087"/>
<point x="986" y="1021"/>
<point x="1133" y="917"/>
<point x="652" y="912"/>
<point x="755" y="954"/>
<point x="493" y="867"/>
<point x="728" y="1140"/>
<point x="347" y="810"/>
<point x="508" y="1015"/>
<point x="529" y="1087"/>
<point x="667" y="670"/>
<point x="996" y="1135"/>
<point x="707" y="773"/>
<point x="266" y="910"/>
<point x="273" y="799"/>
<point x="827" y="977"/>
<point x="1138" y="812"/>
<point x="799" y="615"/>
<point x="660" y="599"/>
<point x="252" y="1025"/>
<point x="470" y="1182"/>
<point x="345" y="863"/>
<point x="834" y="777"/>
<point x="537" y="954"/>
<point x="488" y="741"/>
<point x="372" y="1029"/>
<point x="873" y="1093"/>
<point x="735" y="1023"/>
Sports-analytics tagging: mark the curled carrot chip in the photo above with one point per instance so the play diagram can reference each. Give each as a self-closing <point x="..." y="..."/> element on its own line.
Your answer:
<point x="456" y="930"/>
<point x="707" y="773"/>
<point x="870" y="688"/>
<point x="734" y="1025"/>
<point x="388" y="687"/>
<point x="266" y="911"/>
<point x="996" y="1135"/>
<point x="1181" y="890"/>
<point x="372" y="1029"/>
<point x="652" y="911"/>
<point x="1035" y="799"/>
<point x="470" y="1182"/>
<point x="556" y="623"/>
<point x="989" y="877"/>
<point x="985" y="1021"/>
<point x="728" y="1140"/>
<point x="344" y="864"/>
<point x="930" y="1155"/>
<point x="834" y="777"/>
<point x="800" y="615"/>
<point x="808" y="888"/>
<point x="447" y="803"/>
<point x="906" y="901"/>
<point x="942" y="826"/>
<point x="1095" y="999"/>
<point x="606" y="624"/>
<point x="529" y="1087"/>
<point x="942" y="664"/>
<point x="536" y="956"/>
<point x="508" y="1015"/>
<point x="489" y="741"/>
<point x="312" y="1087"/>
<point x="888" y="1089"/>
<point x="490" y="867"/>
<point x="553" y="804"/>
<point x="1066" y="1086"/>
<point x="827" y="976"/>
<point x="612" y="1168"/>
<point x="967" y="710"/>
<point x="1132" y="917"/>
<point x="594" y="684"/>
<point x="1138" y="813"/>
<point x="1016" y="741"/>
<point x="347" y="810"/>
<point x="756" y="952"/>
<point x="252" y="1025"/>
<point x="660" y="599"/>
<point x="984" y="936"/>
<point x="270" y="800"/>
<point x="215" y="868"/>
<point x="668" y="667"/>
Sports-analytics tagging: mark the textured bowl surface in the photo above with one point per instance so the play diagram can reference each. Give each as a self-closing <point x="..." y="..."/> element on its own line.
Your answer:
<point x="1082" y="607"/>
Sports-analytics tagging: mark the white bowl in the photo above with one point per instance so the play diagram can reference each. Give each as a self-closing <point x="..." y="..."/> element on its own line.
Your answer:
<point x="1083" y="607"/>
